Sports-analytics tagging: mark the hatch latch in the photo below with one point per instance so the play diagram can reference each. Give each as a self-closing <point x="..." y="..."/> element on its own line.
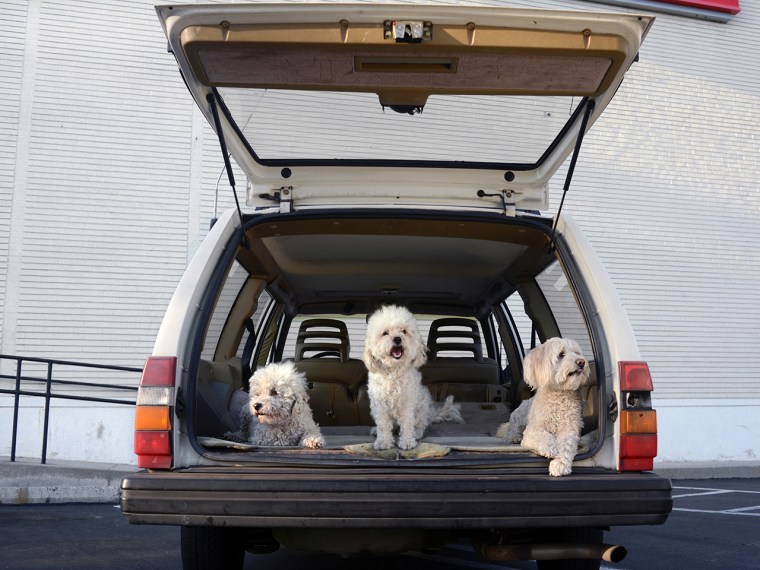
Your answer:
<point x="286" y="199"/>
<point x="407" y="31"/>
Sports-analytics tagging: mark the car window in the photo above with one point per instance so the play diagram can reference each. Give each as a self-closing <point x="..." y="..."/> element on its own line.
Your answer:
<point x="564" y="306"/>
<point x="293" y="125"/>
<point x="236" y="289"/>
<point x="559" y="297"/>
<point x="232" y="285"/>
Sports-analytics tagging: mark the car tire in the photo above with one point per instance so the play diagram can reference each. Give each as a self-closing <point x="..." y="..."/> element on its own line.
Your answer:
<point x="212" y="548"/>
<point x="576" y="536"/>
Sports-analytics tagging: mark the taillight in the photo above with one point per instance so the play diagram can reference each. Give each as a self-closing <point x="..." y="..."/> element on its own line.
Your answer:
<point x="635" y="376"/>
<point x="153" y="418"/>
<point x="638" y="421"/>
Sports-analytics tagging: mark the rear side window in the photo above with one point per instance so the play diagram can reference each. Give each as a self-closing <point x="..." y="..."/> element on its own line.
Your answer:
<point x="547" y="307"/>
<point x="564" y="306"/>
<point x="228" y="330"/>
<point x="232" y="285"/>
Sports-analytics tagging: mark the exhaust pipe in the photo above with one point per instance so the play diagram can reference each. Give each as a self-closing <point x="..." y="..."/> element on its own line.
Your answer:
<point x="556" y="551"/>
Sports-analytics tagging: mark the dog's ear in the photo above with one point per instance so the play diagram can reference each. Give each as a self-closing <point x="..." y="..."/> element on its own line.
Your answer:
<point x="420" y="354"/>
<point x="300" y="406"/>
<point x="537" y="367"/>
<point x="373" y="364"/>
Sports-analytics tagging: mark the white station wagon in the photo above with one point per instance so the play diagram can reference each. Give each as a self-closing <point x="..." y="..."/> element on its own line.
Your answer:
<point x="394" y="154"/>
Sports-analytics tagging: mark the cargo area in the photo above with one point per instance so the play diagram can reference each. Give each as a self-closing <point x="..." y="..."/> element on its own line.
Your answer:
<point x="302" y="291"/>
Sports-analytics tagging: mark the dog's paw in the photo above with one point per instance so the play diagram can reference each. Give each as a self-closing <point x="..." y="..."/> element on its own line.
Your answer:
<point x="313" y="441"/>
<point x="236" y="436"/>
<point x="383" y="443"/>
<point x="407" y="443"/>
<point x="559" y="468"/>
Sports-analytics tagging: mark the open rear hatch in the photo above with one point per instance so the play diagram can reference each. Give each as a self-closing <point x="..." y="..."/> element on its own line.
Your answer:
<point x="362" y="104"/>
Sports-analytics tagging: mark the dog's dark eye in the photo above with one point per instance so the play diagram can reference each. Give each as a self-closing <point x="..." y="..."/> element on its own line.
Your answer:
<point x="272" y="392"/>
<point x="561" y="355"/>
<point x="385" y="333"/>
<point x="403" y="331"/>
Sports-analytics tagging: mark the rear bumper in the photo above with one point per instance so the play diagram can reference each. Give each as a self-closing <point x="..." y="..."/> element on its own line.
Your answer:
<point x="454" y="499"/>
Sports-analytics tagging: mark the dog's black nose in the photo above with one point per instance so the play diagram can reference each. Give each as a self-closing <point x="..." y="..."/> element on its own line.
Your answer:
<point x="257" y="406"/>
<point x="396" y="340"/>
<point x="580" y="363"/>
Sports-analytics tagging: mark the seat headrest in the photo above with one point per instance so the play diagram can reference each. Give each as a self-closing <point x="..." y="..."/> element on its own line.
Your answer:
<point x="454" y="334"/>
<point x="322" y="335"/>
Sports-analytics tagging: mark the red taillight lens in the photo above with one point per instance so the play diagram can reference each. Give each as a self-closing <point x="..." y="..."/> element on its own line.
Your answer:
<point x="635" y="377"/>
<point x="153" y="449"/>
<point x="153" y="419"/>
<point x="159" y="371"/>
<point x="152" y="443"/>
<point x="637" y="452"/>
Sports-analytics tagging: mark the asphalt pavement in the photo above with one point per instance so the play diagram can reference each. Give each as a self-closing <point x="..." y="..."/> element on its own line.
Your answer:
<point x="714" y="525"/>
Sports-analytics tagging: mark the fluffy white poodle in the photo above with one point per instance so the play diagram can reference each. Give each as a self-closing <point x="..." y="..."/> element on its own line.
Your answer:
<point x="393" y="352"/>
<point x="278" y="411"/>
<point x="550" y="422"/>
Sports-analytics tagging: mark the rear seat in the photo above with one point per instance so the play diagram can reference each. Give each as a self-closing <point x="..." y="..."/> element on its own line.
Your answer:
<point x="337" y="383"/>
<point x="469" y="377"/>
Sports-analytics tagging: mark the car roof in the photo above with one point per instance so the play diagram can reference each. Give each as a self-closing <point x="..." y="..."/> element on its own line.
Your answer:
<point x="350" y="261"/>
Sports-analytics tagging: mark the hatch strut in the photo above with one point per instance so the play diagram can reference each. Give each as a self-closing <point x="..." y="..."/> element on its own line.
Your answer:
<point x="230" y="176"/>
<point x="578" y="142"/>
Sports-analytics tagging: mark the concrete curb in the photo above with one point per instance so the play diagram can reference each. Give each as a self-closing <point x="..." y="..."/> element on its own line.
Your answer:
<point x="26" y="482"/>
<point x="709" y="470"/>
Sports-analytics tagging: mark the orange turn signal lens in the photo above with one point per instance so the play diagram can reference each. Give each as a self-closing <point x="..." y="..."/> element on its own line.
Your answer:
<point x="638" y="421"/>
<point x="152" y="418"/>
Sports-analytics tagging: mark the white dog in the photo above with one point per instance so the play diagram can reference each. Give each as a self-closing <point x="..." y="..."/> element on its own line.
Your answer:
<point x="550" y="422"/>
<point x="278" y="400"/>
<point x="393" y="352"/>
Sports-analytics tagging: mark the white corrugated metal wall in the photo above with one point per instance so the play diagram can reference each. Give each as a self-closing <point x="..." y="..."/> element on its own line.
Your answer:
<point x="108" y="175"/>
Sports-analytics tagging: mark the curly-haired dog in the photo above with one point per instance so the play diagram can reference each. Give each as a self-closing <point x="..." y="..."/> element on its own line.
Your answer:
<point x="279" y="403"/>
<point x="550" y="422"/>
<point x="393" y="352"/>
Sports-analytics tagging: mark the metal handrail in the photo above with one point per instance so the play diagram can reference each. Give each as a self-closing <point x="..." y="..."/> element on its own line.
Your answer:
<point x="48" y="394"/>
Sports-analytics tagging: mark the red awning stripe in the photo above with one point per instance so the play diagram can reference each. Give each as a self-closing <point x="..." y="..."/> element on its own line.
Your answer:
<point x="727" y="6"/>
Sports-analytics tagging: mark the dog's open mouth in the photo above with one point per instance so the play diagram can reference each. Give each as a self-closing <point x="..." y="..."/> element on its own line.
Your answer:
<point x="397" y="352"/>
<point x="265" y="418"/>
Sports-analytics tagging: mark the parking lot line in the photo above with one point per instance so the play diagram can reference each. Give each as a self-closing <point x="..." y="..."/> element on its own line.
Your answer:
<point x="750" y="510"/>
<point x="698" y="494"/>
<point x="718" y="490"/>
<point x="732" y="512"/>
<point x="742" y="509"/>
